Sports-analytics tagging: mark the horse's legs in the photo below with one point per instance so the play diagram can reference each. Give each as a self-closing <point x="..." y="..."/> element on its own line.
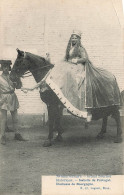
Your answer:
<point x="51" y="120"/>
<point x="104" y="126"/>
<point x="58" y="127"/>
<point x="116" y="116"/>
<point x="86" y="125"/>
<point x="51" y="117"/>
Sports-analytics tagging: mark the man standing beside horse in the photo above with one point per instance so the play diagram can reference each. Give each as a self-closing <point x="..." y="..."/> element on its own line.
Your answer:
<point x="8" y="101"/>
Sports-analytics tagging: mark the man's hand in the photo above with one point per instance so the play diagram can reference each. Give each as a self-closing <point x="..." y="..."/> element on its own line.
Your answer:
<point x="25" y="90"/>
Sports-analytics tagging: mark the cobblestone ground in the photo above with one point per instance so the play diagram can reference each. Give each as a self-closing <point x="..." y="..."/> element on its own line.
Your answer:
<point x="23" y="163"/>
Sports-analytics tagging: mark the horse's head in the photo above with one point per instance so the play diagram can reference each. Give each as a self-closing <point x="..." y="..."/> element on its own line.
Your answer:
<point x="37" y="65"/>
<point x="19" y="68"/>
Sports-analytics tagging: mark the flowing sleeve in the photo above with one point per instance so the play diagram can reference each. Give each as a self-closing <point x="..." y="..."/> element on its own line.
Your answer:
<point x="83" y="55"/>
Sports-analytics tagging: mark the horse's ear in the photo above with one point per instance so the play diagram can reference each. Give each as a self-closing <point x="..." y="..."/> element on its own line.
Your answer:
<point x="20" y="53"/>
<point x="17" y="49"/>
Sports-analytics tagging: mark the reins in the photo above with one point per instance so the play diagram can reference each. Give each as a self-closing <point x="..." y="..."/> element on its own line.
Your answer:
<point x="27" y="72"/>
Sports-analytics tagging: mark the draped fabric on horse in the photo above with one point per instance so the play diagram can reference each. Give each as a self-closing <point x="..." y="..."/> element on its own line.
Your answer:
<point x="101" y="88"/>
<point x="67" y="80"/>
<point x="80" y="89"/>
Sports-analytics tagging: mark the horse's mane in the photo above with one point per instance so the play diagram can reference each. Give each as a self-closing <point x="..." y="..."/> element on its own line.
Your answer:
<point x="39" y="66"/>
<point x="37" y="60"/>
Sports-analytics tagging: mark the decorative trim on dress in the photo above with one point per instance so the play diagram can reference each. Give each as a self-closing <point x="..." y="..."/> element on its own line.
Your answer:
<point x="67" y="104"/>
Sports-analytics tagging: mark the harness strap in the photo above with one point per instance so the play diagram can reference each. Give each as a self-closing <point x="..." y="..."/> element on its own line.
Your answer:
<point x="27" y="72"/>
<point x="8" y="92"/>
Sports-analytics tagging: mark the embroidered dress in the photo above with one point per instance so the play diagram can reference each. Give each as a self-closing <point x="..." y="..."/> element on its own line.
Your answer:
<point x="83" y="86"/>
<point x="67" y="80"/>
<point x="8" y="99"/>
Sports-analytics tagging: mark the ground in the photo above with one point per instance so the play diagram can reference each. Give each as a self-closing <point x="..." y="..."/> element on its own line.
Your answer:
<point x="23" y="163"/>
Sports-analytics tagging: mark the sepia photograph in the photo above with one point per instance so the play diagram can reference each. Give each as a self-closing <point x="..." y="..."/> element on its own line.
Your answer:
<point x="61" y="97"/>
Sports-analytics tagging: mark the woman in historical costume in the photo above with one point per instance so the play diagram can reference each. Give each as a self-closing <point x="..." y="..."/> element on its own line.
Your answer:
<point x="8" y="101"/>
<point x="79" y="85"/>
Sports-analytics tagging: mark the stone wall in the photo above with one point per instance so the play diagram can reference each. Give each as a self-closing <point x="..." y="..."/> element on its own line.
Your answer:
<point x="40" y="26"/>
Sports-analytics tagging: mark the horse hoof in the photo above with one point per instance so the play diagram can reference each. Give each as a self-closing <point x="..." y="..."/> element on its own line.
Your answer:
<point x="9" y="130"/>
<point x="118" y="140"/>
<point x="86" y="125"/>
<point x="100" y="136"/>
<point x="19" y="137"/>
<point x="58" y="138"/>
<point x="47" y="143"/>
<point x="3" y="140"/>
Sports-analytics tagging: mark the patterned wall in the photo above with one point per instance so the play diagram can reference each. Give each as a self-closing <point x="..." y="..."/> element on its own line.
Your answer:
<point x="45" y="26"/>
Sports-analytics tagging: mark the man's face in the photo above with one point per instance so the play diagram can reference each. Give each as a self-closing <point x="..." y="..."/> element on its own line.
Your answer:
<point x="74" y="39"/>
<point x="5" y="69"/>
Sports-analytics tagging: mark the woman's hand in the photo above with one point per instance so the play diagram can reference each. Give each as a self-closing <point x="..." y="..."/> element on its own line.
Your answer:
<point x="74" y="61"/>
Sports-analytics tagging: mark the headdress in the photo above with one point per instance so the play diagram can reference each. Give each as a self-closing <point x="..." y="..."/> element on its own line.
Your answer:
<point x="5" y="63"/>
<point x="77" y="32"/>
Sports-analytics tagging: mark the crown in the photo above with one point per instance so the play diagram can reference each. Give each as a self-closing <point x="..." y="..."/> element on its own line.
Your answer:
<point x="76" y="32"/>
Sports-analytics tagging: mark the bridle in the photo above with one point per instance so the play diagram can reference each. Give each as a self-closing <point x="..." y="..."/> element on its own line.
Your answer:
<point x="27" y="72"/>
<point x="33" y="70"/>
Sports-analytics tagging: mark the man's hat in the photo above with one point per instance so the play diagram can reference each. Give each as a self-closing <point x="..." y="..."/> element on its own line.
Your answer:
<point x="5" y="63"/>
<point x="77" y="32"/>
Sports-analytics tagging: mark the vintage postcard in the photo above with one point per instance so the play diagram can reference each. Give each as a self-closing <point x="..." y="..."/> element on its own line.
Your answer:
<point x="61" y="97"/>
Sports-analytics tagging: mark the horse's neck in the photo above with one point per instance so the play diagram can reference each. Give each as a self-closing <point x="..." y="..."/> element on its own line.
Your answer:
<point x="36" y="76"/>
<point x="38" y="73"/>
<point x="38" y="66"/>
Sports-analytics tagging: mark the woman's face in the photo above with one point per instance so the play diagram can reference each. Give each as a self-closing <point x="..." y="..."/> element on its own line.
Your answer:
<point x="74" y="39"/>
